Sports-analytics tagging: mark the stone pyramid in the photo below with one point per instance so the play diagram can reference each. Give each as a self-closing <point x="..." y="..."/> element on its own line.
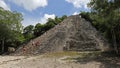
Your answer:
<point x="74" y="34"/>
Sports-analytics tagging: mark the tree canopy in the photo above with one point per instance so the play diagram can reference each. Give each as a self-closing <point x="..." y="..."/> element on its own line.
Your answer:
<point x="105" y="16"/>
<point x="10" y="29"/>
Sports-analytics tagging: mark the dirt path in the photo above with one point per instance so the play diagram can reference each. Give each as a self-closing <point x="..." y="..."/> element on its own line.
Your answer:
<point x="38" y="62"/>
<point x="45" y="61"/>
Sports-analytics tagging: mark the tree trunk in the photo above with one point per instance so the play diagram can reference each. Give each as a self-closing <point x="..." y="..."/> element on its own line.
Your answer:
<point x="114" y="41"/>
<point x="2" y="46"/>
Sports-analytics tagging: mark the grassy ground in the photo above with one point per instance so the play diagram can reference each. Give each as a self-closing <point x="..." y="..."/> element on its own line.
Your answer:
<point x="73" y="54"/>
<point x="84" y="56"/>
<point x="67" y="59"/>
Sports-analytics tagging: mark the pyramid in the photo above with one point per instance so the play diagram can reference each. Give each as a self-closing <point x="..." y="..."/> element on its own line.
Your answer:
<point x="73" y="34"/>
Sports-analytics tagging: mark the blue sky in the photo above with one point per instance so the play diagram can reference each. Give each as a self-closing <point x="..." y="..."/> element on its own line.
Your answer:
<point x="38" y="11"/>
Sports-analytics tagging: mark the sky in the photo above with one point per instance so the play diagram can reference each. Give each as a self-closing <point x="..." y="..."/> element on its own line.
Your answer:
<point x="38" y="11"/>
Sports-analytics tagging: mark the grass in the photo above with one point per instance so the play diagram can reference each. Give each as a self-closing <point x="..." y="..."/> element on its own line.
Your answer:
<point x="105" y="58"/>
<point x="84" y="55"/>
<point x="61" y="54"/>
<point x="72" y="54"/>
<point x="81" y="57"/>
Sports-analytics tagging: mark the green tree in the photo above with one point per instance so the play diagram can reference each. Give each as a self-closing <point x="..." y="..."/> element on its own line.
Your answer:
<point x="39" y="29"/>
<point x="10" y="28"/>
<point x="28" y="32"/>
<point x="105" y="15"/>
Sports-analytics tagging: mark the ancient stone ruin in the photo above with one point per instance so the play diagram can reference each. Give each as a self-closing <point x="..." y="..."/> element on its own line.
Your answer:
<point x="74" y="33"/>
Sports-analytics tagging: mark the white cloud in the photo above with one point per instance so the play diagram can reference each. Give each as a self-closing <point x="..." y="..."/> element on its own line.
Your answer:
<point x="30" y="4"/>
<point x="4" y="5"/>
<point x="45" y="18"/>
<point x="33" y="21"/>
<point x="79" y="3"/>
<point x="75" y="13"/>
